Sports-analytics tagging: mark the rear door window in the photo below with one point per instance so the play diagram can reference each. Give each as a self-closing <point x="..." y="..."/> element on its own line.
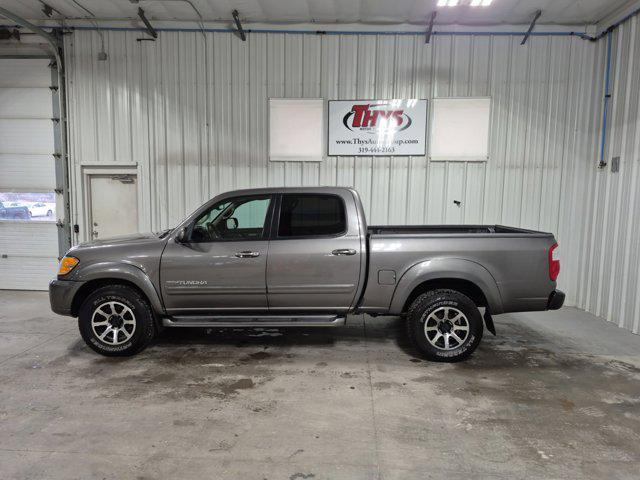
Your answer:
<point x="314" y="215"/>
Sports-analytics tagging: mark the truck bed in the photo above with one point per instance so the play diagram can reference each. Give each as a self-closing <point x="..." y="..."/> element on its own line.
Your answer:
<point x="448" y="230"/>
<point x="510" y="262"/>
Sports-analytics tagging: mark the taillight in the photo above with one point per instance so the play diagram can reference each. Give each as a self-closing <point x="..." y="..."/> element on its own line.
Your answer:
<point x="554" y="263"/>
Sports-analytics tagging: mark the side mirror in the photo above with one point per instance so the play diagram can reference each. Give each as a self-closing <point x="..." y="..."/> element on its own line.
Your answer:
<point x="232" y="223"/>
<point x="182" y="235"/>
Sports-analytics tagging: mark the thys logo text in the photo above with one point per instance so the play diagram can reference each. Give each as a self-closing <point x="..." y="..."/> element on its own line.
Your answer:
<point x="375" y="117"/>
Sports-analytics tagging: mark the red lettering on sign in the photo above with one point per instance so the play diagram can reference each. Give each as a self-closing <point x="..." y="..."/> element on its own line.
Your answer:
<point x="364" y="117"/>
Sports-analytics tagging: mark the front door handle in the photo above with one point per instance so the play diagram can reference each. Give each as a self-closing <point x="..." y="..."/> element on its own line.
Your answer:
<point x="247" y="254"/>
<point x="344" y="251"/>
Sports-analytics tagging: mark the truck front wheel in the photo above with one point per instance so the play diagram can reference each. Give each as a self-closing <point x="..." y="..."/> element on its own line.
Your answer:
<point x="444" y="325"/>
<point x="116" y="320"/>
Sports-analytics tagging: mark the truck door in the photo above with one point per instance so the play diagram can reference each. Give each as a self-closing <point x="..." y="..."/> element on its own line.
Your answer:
<point x="221" y="264"/>
<point x="314" y="254"/>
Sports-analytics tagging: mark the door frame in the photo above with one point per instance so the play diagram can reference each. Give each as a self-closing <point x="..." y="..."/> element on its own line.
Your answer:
<point x="192" y="285"/>
<point x="87" y="173"/>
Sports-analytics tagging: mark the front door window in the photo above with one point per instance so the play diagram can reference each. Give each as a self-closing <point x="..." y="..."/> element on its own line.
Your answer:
<point x="235" y="219"/>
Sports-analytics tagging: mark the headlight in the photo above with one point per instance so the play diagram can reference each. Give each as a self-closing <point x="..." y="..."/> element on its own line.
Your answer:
<point x="67" y="264"/>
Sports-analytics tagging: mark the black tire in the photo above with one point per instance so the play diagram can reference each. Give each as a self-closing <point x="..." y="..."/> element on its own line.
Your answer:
<point x="435" y="302"/>
<point x="123" y="296"/>
<point x="49" y="213"/>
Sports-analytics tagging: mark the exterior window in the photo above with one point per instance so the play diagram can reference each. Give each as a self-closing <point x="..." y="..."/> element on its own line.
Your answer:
<point x="234" y="219"/>
<point x="28" y="206"/>
<point x="311" y="216"/>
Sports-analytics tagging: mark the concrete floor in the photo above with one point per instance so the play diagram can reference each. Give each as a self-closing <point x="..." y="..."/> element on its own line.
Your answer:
<point x="555" y="395"/>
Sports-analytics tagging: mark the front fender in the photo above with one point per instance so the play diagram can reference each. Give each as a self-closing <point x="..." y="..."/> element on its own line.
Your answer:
<point x="122" y="271"/>
<point x="446" y="268"/>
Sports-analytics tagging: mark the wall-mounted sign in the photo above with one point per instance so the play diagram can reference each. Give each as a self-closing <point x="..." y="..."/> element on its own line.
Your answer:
<point x="377" y="127"/>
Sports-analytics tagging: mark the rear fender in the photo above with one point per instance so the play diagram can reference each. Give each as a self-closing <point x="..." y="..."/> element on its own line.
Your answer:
<point x="446" y="268"/>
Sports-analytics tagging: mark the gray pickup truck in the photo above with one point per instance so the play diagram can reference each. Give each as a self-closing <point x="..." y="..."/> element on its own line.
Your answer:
<point x="304" y="257"/>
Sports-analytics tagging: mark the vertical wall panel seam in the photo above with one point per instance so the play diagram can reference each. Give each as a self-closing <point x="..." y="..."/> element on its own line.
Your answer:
<point x="111" y="112"/>
<point x="545" y="138"/>
<point x="470" y="68"/>
<point x="375" y="81"/>
<point x="612" y="283"/>
<point x="594" y="66"/>
<point x="94" y="91"/>
<point x="592" y="236"/>
<point x="607" y="182"/>
<point x="565" y="136"/>
<point x="165" y="88"/>
<point x="394" y="87"/>
<point x="487" y="169"/>
<point x="626" y="301"/>
<point x="589" y="226"/>
<point x="507" y="128"/>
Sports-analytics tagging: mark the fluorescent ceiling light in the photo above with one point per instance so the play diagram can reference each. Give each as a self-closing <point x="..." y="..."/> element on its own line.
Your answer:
<point x="472" y="3"/>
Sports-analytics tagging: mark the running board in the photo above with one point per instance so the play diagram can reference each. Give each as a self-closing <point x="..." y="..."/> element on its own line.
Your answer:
<point x="213" y="321"/>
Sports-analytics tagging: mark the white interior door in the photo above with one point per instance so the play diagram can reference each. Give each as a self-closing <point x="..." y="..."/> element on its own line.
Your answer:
<point x="114" y="205"/>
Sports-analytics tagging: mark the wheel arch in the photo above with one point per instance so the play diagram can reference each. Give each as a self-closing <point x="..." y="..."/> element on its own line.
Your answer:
<point x="465" y="276"/>
<point x="100" y="275"/>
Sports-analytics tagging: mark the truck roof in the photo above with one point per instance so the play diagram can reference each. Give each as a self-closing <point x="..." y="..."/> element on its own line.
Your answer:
<point x="271" y="190"/>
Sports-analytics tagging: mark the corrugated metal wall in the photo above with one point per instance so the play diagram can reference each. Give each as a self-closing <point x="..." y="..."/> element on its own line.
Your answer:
<point x="191" y="111"/>
<point x="607" y="281"/>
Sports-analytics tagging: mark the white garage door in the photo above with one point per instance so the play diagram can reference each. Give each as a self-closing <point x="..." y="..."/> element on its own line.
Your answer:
<point x="28" y="232"/>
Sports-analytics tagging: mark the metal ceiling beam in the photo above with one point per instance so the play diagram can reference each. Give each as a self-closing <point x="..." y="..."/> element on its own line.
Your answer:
<point x="427" y="37"/>
<point x="150" y="30"/>
<point x="47" y="10"/>
<point x="188" y="2"/>
<point x="533" y="24"/>
<point x="55" y="43"/>
<point x="236" y="18"/>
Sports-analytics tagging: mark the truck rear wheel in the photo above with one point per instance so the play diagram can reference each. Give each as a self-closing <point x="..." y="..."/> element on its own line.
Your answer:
<point x="116" y="320"/>
<point x="444" y="325"/>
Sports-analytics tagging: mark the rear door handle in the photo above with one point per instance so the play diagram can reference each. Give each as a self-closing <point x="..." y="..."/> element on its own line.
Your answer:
<point x="344" y="251"/>
<point x="247" y="254"/>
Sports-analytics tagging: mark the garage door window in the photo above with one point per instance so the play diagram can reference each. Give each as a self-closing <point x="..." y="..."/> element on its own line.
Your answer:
<point x="28" y="206"/>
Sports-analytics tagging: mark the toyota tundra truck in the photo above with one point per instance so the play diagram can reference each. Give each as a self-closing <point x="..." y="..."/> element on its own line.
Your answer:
<point x="304" y="257"/>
